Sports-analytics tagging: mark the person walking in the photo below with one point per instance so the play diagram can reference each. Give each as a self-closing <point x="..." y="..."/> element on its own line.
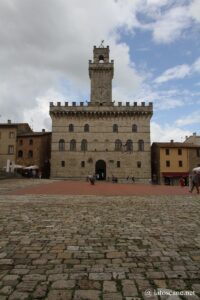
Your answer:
<point x="195" y="182"/>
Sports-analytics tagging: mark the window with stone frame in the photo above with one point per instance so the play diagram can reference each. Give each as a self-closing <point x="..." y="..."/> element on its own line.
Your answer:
<point x="139" y="164"/>
<point x="129" y="145"/>
<point x="62" y="163"/>
<point x="180" y="163"/>
<point x="167" y="151"/>
<point x="118" y="164"/>
<point x="167" y="163"/>
<point x="198" y="152"/>
<point x="61" y="145"/>
<point x="118" y="145"/>
<point x="140" y="145"/>
<point x="115" y="128"/>
<point x="86" y="128"/>
<point x="72" y="145"/>
<point x="84" y="145"/>
<point x="11" y="134"/>
<point x="30" y="142"/>
<point x="134" y="128"/>
<point x="179" y="151"/>
<point x="83" y="164"/>
<point x="10" y="149"/>
<point x="71" y="128"/>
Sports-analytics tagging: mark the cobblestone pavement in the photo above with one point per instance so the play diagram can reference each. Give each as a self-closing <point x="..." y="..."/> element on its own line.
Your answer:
<point x="96" y="247"/>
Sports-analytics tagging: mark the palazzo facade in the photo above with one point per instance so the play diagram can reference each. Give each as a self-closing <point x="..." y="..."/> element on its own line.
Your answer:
<point x="101" y="136"/>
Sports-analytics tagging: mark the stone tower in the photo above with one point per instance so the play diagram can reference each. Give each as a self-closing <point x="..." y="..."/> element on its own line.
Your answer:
<point x="101" y="75"/>
<point x="101" y="137"/>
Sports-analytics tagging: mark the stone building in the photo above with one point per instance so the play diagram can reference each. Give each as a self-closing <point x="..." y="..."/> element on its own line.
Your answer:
<point x="194" y="139"/>
<point x="34" y="148"/>
<point x="101" y="137"/>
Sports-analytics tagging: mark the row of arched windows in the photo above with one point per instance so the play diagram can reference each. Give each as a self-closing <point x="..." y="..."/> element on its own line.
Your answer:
<point x="115" y="128"/>
<point x="128" y="146"/>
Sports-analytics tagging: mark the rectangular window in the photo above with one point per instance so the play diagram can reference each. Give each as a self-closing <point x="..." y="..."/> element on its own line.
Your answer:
<point x="167" y="151"/>
<point x="139" y="164"/>
<point x="62" y="163"/>
<point x="11" y="135"/>
<point x="180" y="163"/>
<point x="179" y="151"/>
<point x="167" y="163"/>
<point x="198" y="152"/>
<point x="82" y="164"/>
<point x="118" y="164"/>
<point x="10" y="149"/>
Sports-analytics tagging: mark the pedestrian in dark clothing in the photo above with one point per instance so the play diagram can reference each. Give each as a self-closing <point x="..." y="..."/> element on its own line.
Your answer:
<point x="195" y="182"/>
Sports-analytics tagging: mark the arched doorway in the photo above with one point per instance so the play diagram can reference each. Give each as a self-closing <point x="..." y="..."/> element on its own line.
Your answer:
<point x="100" y="170"/>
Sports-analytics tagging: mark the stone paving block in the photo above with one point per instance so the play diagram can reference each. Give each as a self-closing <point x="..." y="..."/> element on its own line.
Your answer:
<point x="100" y="276"/>
<point x="6" y="290"/>
<point x="160" y="283"/>
<point x="59" y="295"/>
<point x="129" y="288"/>
<point x="6" y="261"/>
<point x="26" y="286"/>
<point x="109" y="287"/>
<point x="19" y="296"/>
<point x="112" y="296"/>
<point x="39" y="262"/>
<point x="76" y="276"/>
<point x="55" y="277"/>
<point x="115" y="254"/>
<point x="11" y="280"/>
<point x="87" y="295"/>
<point x="34" y="277"/>
<point x="19" y="271"/>
<point x="63" y="284"/>
<point x="89" y="284"/>
<point x="40" y="292"/>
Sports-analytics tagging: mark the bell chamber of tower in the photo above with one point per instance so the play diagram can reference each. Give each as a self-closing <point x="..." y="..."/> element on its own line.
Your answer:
<point x="101" y="72"/>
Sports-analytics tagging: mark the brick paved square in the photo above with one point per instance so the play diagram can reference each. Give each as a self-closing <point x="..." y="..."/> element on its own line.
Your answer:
<point x="97" y="247"/>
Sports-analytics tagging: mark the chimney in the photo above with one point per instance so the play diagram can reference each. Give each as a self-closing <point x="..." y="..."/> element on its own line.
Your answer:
<point x="194" y="133"/>
<point x="9" y="121"/>
<point x="43" y="130"/>
<point x="171" y="141"/>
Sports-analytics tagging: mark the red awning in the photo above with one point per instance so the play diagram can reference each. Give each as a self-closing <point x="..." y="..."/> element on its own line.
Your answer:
<point x="175" y="174"/>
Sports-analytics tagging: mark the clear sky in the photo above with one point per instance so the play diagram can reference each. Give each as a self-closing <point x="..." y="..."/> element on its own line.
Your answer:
<point x="45" y="46"/>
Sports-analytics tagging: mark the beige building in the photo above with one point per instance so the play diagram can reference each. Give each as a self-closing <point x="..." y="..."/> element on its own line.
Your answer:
<point x="101" y="137"/>
<point x="171" y="161"/>
<point x="8" y="141"/>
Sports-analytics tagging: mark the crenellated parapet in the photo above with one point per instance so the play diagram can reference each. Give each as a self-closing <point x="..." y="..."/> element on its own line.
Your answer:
<point x="84" y="109"/>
